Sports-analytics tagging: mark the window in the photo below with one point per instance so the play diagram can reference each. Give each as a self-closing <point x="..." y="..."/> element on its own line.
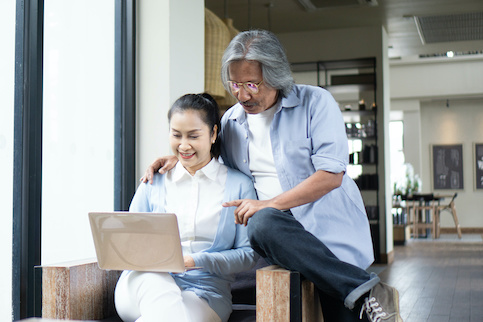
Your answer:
<point x="69" y="149"/>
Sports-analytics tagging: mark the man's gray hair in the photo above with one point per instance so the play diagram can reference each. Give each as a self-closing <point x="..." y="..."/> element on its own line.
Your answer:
<point x="264" y="47"/>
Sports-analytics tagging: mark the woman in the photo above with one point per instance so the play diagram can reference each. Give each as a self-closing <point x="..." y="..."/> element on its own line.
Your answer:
<point x="194" y="190"/>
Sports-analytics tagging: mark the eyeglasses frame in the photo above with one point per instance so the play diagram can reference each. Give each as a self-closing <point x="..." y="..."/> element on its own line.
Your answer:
<point x="244" y="84"/>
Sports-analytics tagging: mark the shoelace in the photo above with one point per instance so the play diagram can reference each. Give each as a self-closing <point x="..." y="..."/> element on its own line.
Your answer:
<point x="373" y="310"/>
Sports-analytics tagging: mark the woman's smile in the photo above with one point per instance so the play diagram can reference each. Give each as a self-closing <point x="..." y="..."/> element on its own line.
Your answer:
<point x="187" y="155"/>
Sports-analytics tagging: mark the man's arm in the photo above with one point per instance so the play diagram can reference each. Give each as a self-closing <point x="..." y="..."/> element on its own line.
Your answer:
<point x="162" y="165"/>
<point x="311" y="189"/>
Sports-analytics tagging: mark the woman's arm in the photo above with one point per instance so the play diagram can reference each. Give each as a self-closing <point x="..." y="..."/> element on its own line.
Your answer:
<point x="227" y="262"/>
<point x="238" y="255"/>
<point x="311" y="189"/>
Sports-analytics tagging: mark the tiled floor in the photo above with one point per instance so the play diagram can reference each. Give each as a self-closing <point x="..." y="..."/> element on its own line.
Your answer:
<point x="439" y="280"/>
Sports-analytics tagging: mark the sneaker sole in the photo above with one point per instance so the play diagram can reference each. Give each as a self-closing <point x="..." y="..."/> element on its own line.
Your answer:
<point x="396" y="303"/>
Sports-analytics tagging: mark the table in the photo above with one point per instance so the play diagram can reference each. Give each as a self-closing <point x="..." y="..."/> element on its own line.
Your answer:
<point x="425" y="202"/>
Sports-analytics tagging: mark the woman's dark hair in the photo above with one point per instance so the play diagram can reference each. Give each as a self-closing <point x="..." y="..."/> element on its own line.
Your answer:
<point x="209" y="112"/>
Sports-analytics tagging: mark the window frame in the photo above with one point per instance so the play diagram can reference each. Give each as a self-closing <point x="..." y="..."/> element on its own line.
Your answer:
<point x="27" y="164"/>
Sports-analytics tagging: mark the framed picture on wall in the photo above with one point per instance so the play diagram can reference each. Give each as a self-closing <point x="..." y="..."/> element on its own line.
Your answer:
<point x="447" y="166"/>
<point x="478" y="157"/>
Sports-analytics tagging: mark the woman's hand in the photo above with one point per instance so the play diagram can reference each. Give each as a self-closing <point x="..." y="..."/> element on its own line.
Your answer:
<point x="162" y="165"/>
<point x="245" y="208"/>
<point x="189" y="261"/>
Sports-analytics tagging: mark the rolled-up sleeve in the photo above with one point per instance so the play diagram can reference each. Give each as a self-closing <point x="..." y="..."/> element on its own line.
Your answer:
<point x="327" y="132"/>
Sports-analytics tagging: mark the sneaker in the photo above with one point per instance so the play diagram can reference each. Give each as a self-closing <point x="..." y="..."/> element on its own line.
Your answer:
<point x="382" y="304"/>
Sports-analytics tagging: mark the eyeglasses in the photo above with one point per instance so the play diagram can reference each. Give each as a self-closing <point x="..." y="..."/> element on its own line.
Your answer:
<point x="249" y="86"/>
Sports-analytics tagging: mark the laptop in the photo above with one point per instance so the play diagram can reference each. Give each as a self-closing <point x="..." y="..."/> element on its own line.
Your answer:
<point x="137" y="241"/>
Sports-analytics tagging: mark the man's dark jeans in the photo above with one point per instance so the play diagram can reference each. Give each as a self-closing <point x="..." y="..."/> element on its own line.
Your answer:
<point x="282" y="240"/>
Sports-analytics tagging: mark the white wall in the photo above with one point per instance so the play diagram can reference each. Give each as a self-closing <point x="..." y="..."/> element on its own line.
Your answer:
<point x="421" y="88"/>
<point x="437" y="78"/>
<point x="170" y="62"/>
<point x="7" y="82"/>
<point x="461" y="123"/>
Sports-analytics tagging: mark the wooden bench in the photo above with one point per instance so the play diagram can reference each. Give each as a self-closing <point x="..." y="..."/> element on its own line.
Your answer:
<point x="78" y="291"/>
<point x="284" y="296"/>
<point x="81" y="291"/>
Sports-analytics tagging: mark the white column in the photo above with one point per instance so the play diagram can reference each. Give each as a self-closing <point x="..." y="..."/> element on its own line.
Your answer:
<point x="170" y="63"/>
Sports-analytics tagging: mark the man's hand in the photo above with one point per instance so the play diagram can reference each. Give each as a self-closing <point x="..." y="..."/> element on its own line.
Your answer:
<point x="162" y="165"/>
<point x="188" y="261"/>
<point x="245" y="208"/>
<point x="309" y="190"/>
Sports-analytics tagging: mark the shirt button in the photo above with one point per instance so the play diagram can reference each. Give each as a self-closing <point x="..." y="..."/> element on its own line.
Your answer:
<point x="244" y="161"/>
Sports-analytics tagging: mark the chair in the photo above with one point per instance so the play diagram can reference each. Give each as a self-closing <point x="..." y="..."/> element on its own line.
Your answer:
<point x="450" y="208"/>
<point x="422" y="220"/>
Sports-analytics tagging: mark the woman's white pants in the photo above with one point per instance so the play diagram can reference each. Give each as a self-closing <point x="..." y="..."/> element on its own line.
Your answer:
<point x="155" y="297"/>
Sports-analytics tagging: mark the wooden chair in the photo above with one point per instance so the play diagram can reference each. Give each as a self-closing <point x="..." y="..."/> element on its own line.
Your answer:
<point x="424" y="216"/>
<point x="450" y="207"/>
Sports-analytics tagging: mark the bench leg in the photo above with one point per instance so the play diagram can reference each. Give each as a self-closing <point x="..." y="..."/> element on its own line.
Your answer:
<point x="283" y="296"/>
<point x="78" y="291"/>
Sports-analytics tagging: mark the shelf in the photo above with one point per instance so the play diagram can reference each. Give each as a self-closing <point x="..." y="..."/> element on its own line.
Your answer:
<point x="348" y="64"/>
<point x="359" y="112"/>
<point x="347" y="89"/>
<point x="364" y="164"/>
<point x="353" y="79"/>
<point x="358" y="116"/>
<point x="350" y="137"/>
<point x="334" y="64"/>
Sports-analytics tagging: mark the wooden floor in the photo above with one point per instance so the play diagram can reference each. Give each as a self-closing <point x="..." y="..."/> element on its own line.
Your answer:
<point x="438" y="280"/>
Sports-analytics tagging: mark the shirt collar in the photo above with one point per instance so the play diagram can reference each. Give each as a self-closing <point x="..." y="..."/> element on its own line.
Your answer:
<point x="292" y="99"/>
<point x="238" y="114"/>
<point x="210" y="171"/>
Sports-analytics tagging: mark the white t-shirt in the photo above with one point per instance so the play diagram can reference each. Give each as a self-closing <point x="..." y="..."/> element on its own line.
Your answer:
<point x="260" y="154"/>
<point x="196" y="200"/>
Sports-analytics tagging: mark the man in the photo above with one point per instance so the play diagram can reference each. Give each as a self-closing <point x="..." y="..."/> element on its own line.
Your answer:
<point x="309" y="215"/>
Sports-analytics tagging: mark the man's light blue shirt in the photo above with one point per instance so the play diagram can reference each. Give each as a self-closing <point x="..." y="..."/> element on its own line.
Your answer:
<point x="308" y="134"/>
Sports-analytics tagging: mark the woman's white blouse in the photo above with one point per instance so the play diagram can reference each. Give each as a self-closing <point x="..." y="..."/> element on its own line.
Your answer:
<point x="196" y="200"/>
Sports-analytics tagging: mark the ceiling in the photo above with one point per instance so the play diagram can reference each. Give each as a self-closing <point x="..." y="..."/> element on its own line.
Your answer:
<point x="457" y="24"/>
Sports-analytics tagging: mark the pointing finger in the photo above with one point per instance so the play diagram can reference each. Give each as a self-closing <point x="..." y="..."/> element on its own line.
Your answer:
<point x="233" y="203"/>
